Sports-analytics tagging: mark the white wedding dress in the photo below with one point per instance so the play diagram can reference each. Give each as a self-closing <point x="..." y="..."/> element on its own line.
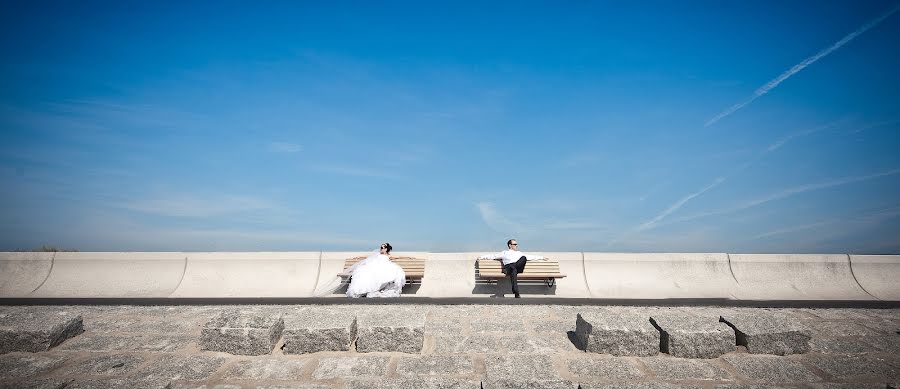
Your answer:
<point x="376" y="276"/>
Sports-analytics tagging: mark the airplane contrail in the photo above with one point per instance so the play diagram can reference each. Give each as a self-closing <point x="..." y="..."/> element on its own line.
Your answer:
<point x="800" y="66"/>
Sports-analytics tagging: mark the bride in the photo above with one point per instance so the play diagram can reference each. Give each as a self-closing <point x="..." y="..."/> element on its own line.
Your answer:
<point x="376" y="276"/>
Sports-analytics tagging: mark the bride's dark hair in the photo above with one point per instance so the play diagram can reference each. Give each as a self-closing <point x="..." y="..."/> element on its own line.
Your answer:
<point x="388" y="247"/>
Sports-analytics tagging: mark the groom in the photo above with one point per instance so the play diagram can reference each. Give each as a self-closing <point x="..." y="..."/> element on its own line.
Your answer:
<point x="513" y="262"/>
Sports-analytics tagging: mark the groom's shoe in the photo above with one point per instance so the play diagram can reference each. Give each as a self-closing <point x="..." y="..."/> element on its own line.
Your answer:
<point x="517" y="296"/>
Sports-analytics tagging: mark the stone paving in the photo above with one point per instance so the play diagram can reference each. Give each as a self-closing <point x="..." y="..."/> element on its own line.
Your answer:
<point x="459" y="346"/>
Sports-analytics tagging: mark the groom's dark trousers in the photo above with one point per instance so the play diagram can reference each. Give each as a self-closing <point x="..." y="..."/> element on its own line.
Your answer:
<point x="512" y="270"/>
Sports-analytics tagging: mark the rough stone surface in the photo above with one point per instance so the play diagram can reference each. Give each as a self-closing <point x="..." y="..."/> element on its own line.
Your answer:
<point x="519" y="368"/>
<point x="111" y="342"/>
<point x="619" y="333"/>
<point x="845" y="345"/>
<point x="856" y="368"/>
<point x="693" y="334"/>
<point x="765" y="332"/>
<point x="351" y="367"/>
<point x="420" y="383"/>
<point x="106" y="365"/>
<point x="638" y="385"/>
<point x="26" y="365"/>
<point x="182" y="367"/>
<point x="770" y="368"/>
<point x="119" y="383"/>
<point x="686" y="369"/>
<point x="435" y="365"/>
<point x="267" y="369"/>
<point x="605" y="367"/>
<point x="398" y="331"/>
<point x="309" y="331"/>
<point x="242" y="332"/>
<point x="533" y="384"/>
<point x="154" y="352"/>
<point x="36" y="384"/>
<point x="515" y="343"/>
<point x="36" y="330"/>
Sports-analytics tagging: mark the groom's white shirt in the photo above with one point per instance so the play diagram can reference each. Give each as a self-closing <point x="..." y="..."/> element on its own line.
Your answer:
<point x="510" y="256"/>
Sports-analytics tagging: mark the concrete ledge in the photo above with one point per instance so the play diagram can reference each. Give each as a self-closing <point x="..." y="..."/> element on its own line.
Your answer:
<point x="281" y="274"/>
<point x="449" y="275"/>
<point x="658" y="276"/>
<point x="86" y="274"/>
<point x="878" y="275"/>
<point x="22" y="273"/>
<point x="242" y="332"/>
<point x="795" y="277"/>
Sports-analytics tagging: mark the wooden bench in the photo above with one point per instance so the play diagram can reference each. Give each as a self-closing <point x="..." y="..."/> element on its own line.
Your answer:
<point x="413" y="267"/>
<point x="547" y="270"/>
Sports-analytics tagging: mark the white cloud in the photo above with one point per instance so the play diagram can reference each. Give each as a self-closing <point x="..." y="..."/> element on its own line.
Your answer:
<point x="789" y="193"/>
<point x="197" y="206"/>
<point x="496" y="221"/>
<point x="800" y="66"/>
<point x="284" y="147"/>
<point x="357" y="171"/>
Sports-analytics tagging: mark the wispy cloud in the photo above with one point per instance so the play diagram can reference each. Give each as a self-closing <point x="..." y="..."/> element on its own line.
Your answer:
<point x="811" y="187"/>
<point x="800" y="66"/>
<point x="787" y="230"/>
<point x="197" y="206"/>
<point x="582" y="159"/>
<point x="788" y="193"/>
<point x="720" y="180"/>
<point x="357" y="172"/>
<point x="495" y="220"/>
<point x="575" y="225"/>
<point x="678" y="204"/>
<point x="284" y="147"/>
<point x="875" y="125"/>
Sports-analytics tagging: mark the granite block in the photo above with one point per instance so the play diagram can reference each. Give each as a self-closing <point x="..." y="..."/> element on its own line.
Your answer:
<point x="856" y="368"/>
<point x="414" y="383"/>
<point x="350" y="367"/>
<point x="765" y="332"/>
<point x="770" y="369"/>
<point x="668" y="368"/>
<point x="604" y="367"/>
<point x="313" y="331"/>
<point x="14" y="366"/>
<point x="242" y="332"/>
<point x="391" y="331"/>
<point x="435" y="365"/>
<point x="34" y="330"/>
<point x="620" y="334"/>
<point x="267" y="369"/>
<point x="693" y="334"/>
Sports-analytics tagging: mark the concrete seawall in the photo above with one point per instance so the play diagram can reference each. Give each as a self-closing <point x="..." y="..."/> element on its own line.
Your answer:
<point x="588" y="275"/>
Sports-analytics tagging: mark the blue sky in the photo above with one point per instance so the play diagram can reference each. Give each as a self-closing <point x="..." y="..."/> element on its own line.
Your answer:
<point x="587" y="126"/>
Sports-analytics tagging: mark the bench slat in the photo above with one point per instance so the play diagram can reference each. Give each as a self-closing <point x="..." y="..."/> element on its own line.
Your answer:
<point x="413" y="267"/>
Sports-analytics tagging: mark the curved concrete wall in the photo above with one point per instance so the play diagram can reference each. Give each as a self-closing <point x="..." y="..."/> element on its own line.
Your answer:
<point x="449" y="275"/>
<point x="588" y="275"/>
<point x="878" y="274"/>
<point x="574" y="285"/>
<point x="278" y="274"/>
<point x="23" y="273"/>
<point x="113" y="275"/>
<point x="658" y="276"/>
<point x="795" y="277"/>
